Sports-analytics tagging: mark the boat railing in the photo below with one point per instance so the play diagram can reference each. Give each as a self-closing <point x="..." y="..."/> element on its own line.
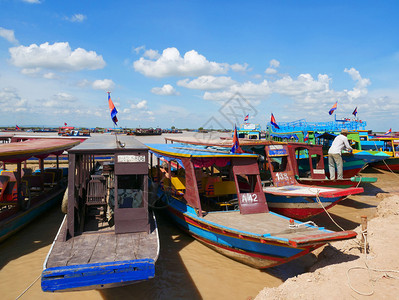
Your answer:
<point x="302" y="125"/>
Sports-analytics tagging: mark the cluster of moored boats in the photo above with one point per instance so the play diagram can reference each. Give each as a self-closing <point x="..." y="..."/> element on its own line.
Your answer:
<point x="247" y="206"/>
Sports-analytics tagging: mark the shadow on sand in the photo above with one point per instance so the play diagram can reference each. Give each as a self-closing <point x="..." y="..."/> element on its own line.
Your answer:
<point x="172" y="280"/>
<point x="37" y="234"/>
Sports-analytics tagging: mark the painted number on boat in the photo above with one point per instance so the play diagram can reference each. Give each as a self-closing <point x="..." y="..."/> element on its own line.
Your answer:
<point x="249" y="198"/>
<point x="282" y="176"/>
<point x="131" y="158"/>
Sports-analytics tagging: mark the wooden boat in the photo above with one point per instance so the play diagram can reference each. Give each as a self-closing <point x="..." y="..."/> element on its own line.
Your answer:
<point x="108" y="237"/>
<point x="25" y="195"/>
<point x="390" y="146"/>
<point x="217" y="197"/>
<point x="296" y="188"/>
<point x="289" y="198"/>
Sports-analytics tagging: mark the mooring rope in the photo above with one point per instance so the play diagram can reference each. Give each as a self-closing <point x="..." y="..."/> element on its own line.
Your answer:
<point x="20" y="295"/>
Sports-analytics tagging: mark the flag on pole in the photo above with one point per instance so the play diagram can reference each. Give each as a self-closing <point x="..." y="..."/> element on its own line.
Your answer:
<point x="306" y="137"/>
<point x="246" y="118"/>
<point x="389" y="131"/>
<point x="236" y="146"/>
<point x="273" y="122"/>
<point x="112" y="109"/>
<point x="355" y="112"/>
<point x="334" y="107"/>
<point x="17" y="127"/>
<point x="65" y="124"/>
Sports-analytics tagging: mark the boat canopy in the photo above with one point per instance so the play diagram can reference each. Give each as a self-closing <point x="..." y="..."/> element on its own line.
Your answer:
<point x="325" y="135"/>
<point x="40" y="148"/>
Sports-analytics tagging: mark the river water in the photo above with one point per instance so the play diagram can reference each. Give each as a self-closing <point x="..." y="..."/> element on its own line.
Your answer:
<point x="186" y="269"/>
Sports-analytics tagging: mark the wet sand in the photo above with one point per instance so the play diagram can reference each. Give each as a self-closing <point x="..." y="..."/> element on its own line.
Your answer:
<point x="186" y="269"/>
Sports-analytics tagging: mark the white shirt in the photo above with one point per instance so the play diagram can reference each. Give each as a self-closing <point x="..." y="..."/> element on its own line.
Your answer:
<point x="339" y="143"/>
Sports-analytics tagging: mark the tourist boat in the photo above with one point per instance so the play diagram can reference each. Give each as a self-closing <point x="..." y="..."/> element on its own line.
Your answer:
<point x="108" y="237"/>
<point x="390" y="146"/>
<point x="323" y="133"/>
<point x="24" y="194"/>
<point x="217" y="197"/>
<point x="300" y="201"/>
<point x="147" y="131"/>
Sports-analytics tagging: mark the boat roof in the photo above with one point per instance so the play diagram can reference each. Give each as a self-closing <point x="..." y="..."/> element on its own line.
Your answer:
<point x="20" y="151"/>
<point x="179" y="150"/>
<point x="108" y="144"/>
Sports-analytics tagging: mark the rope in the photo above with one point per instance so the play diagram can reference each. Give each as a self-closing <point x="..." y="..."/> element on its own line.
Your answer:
<point x="369" y="270"/>
<point x="29" y="287"/>
<point x="328" y="214"/>
<point x="385" y="161"/>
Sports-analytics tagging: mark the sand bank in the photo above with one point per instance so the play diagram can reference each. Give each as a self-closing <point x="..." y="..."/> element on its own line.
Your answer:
<point x="342" y="271"/>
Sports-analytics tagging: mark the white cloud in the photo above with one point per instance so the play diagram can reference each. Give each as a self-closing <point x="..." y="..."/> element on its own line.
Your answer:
<point x="273" y="65"/>
<point x="151" y="54"/>
<point x="76" y="18"/>
<point x="207" y="83"/>
<point x="270" y="71"/>
<point x="50" y="75"/>
<point x="170" y="63"/>
<point x="10" y="96"/>
<point x="361" y="83"/>
<point x="166" y="90"/>
<point x="105" y="84"/>
<point x="8" y="34"/>
<point x="32" y="1"/>
<point x="64" y="97"/>
<point x="139" y="49"/>
<point x="141" y="105"/>
<point x="239" y="67"/>
<point x="58" y="56"/>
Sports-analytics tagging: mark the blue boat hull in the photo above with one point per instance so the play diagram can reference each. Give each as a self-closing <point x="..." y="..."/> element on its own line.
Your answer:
<point x="97" y="276"/>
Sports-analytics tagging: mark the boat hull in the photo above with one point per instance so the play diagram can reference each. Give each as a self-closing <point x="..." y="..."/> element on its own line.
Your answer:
<point x="19" y="219"/>
<point x="388" y="164"/>
<point x="255" y="252"/>
<point x="97" y="276"/>
<point x="300" y="207"/>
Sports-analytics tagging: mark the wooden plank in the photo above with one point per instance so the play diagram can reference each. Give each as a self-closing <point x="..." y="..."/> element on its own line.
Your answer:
<point x="105" y="249"/>
<point x="83" y="248"/>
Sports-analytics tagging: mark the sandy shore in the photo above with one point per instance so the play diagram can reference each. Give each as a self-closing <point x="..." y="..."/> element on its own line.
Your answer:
<point x="342" y="271"/>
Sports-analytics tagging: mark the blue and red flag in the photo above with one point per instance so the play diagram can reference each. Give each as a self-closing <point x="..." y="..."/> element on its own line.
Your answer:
<point x="17" y="127"/>
<point x="334" y="107"/>
<point x="306" y="137"/>
<point x="273" y="122"/>
<point x="236" y="146"/>
<point x="389" y="131"/>
<point x="246" y="118"/>
<point x="112" y="108"/>
<point x="355" y="112"/>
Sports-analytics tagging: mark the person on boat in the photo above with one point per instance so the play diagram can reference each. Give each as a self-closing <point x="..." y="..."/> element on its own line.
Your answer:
<point x="334" y="154"/>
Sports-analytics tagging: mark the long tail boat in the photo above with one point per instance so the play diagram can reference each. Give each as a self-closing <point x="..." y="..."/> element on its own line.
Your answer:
<point x="292" y="199"/>
<point x="217" y="198"/>
<point x="108" y="237"/>
<point x="390" y="146"/>
<point x="24" y="194"/>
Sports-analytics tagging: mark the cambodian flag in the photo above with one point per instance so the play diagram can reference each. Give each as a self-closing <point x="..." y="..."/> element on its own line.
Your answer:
<point x="355" y="112"/>
<point x="17" y="127"/>
<point x="334" y="107"/>
<point x="112" y="109"/>
<point x="273" y="122"/>
<point x="246" y="118"/>
<point x="236" y="146"/>
<point x="389" y="131"/>
<point x="306" y="137"/>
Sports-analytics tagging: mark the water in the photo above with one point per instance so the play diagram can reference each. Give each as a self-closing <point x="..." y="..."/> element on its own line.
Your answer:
<point x="186" y="269"/>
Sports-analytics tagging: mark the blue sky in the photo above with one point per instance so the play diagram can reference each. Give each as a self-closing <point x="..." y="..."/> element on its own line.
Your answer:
<point x="179" y="62"/>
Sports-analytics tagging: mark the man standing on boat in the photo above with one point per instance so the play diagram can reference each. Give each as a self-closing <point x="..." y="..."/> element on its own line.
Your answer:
<point x="334" y="154"/>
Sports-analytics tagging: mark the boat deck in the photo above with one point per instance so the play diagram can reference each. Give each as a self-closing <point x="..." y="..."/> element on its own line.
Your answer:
<point x="269" y="224"/>
<point x="103" y="246"/>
